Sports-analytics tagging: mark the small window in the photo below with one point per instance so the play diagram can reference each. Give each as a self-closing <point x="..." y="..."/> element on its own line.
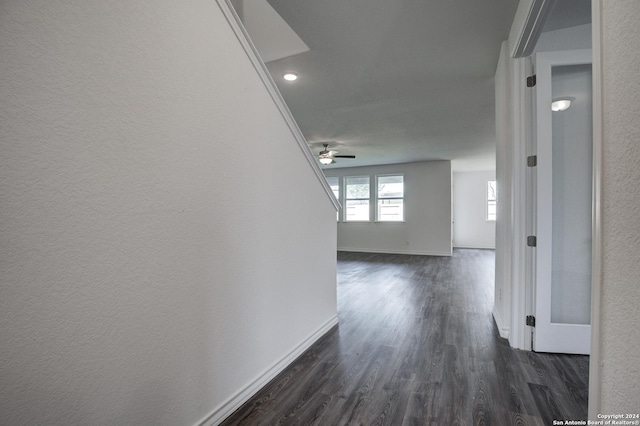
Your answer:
<point x="492" y="199"/>
<point x="390" y="199"/>
<point x="334" y="184"/>
<point x="357" y="198"/>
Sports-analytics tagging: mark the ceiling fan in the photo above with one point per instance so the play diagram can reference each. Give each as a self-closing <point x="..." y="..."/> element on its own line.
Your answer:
<point x="327" y="157"/>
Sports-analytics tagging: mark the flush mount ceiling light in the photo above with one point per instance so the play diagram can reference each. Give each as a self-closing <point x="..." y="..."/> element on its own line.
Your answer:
<point x="560" y="104"/>
<point x="290" y="76"/>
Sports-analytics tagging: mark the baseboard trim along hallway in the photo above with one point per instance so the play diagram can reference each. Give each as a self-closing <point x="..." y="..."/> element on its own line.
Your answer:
<point x="408" y="252"/>
<point x="245" y="394"/>
<point x="502" y="330"/>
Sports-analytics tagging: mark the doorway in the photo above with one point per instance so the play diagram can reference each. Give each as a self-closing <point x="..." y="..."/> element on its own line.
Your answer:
<point x="562" y="196"/>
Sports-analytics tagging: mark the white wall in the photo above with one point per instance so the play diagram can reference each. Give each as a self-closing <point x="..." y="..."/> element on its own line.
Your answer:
<point x="427" y="226"/>
<point x="620" y="293"/>
<point x="504" y="178"/>
<point x="150" y="270"/>
<point x="572" y="38"/>
<point x="471" y="228"/>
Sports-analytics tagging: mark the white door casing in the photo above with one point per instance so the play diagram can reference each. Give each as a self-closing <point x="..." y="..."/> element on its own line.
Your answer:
<point x="559" y="290"/>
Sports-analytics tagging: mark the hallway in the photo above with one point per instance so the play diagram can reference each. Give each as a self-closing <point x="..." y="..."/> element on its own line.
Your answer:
<point x="417" y="345"/>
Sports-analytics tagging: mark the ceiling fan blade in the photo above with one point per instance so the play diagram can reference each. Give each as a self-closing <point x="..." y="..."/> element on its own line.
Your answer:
<point x="344" y="156"/>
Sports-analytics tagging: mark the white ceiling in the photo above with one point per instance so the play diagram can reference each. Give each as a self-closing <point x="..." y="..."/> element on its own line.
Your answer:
<point x="271" y="35"/>
<point x="396" y="81"/>
<point x="568" y="13"/>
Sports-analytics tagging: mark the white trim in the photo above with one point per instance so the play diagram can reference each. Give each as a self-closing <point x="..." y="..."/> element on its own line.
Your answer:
<point x="356" y="221"/>
<point x="227" y="408"/>
<point x="595" y="363"/>
<point x="339" y="197"/>
<point x="519" y="333"/>
<point x="346" y="199"/>
<point x="502" y="330"/>
<point x="376" y="219"/>
<point x="389" y="221"/>
<point x="529" y="21"/>
<point x="384" y="251"/>
<point x="486" y="200"/>
<point x="243" y="37"/>
<point x="455" y="246"/>
<point x="517" y="26"/>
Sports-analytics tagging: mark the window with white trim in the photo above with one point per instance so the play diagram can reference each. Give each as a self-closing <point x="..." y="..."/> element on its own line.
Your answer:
<point x="334" y="184"/>
<point x="357" y="196"/>
<point x="390" y="198"/>
<point x="492" y="200"/>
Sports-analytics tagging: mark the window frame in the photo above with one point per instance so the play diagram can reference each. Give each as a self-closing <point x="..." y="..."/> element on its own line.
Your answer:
<point x="346" y="200"/>
<point x="378" y="198"/>
<point x="337" y="180"/>
<point x="488" y="200"/>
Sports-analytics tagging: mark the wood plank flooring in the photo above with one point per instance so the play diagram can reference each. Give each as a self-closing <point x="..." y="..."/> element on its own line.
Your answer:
<point x="417" y="345"/>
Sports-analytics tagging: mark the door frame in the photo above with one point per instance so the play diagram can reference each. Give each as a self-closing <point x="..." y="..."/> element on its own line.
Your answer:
<point x="521" y="30"/>
<point x="555" y="337"/>
<point x="596" y="244"/>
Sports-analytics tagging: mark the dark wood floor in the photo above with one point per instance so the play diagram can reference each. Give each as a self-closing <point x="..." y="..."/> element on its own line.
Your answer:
<point x="416" y="345"/>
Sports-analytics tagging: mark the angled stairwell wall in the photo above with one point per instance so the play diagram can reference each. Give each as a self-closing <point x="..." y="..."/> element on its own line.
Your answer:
<point x="166" y="247"/>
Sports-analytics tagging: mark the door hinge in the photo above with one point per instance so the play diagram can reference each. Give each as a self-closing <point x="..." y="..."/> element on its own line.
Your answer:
<point x="531" y="321"/>
<point x="532" y="161"/>
<point x="531" y="81"/>
<point x="532" y="241"/>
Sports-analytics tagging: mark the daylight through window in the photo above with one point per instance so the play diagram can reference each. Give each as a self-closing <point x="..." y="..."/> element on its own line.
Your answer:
<point x="334" y="184"/>
<point x="390" y="199"/>
<point x="492" y="199"/>
<point x="357" y="198"/>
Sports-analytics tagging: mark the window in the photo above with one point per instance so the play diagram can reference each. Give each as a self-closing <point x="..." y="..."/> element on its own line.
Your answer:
<point x="492" y="199"/>
<point x="390" y="198"/>
<point x="334" y="184"/>
<point x="356" y="198"/>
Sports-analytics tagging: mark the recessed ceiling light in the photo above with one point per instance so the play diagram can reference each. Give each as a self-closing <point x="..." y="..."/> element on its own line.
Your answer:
<point x="290" y="76"/>
<point x="560" y="104"/>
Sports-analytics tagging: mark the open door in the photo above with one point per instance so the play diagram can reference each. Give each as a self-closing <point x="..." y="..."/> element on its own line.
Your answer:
<point x="563" y="186"/>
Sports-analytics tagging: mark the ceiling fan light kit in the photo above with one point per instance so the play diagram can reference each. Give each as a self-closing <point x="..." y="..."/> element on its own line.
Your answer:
<point x="326" y="157"/>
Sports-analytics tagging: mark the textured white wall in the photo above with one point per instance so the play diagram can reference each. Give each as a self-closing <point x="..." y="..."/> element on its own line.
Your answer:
<point x="470" y="226"/>
<point x="504" y="168"/>
<point x="620" y="292"/>
<point x="152" y="264"/>
<point x="427" y="226"/>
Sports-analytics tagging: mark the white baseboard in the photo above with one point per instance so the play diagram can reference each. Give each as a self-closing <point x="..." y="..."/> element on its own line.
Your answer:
<point x="227" y="408"/>
<point x="504" y="331"/>
<point x="384" y="251"/>
<point x="474" y="247"/>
